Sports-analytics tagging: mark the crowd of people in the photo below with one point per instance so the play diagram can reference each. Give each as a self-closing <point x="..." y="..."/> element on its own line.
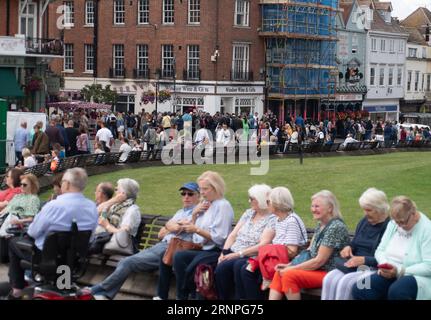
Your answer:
<point x="267" y="255"/>
<point x="82" y="132"/>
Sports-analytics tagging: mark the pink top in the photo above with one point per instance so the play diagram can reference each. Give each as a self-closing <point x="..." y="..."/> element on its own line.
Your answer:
<point x="9" y="193"/>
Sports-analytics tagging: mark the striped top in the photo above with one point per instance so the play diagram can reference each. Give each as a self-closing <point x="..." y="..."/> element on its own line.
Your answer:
<point x="290" y="231"/>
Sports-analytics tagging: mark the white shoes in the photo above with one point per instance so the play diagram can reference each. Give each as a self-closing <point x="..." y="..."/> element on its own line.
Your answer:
<point x="100" y="297"/>
<point x="157" y="298"/>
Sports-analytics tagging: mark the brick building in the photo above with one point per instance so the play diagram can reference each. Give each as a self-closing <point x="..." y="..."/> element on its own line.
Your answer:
<point x="206" y="53"/>
<point x="25" y="53"/>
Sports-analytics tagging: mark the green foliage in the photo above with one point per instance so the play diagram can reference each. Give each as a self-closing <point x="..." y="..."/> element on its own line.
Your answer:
<point x="99" y="94"/>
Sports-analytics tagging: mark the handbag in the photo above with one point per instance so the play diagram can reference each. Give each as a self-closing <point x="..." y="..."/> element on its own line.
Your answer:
<point x="100" y="239"/>
<point x="339" y="264"/>
<point x="204" y="281"/>
<point x="121" y="243"/>
<point x="177" y="244"/>
<point x="305" y="255"/>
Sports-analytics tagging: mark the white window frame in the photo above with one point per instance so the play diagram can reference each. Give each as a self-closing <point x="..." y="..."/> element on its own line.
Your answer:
<point x="168" y="12"/>
<point x="168" y="60"/>
<point x="142" y="60"/>
<point x="391" y="77"/>
<point x="241" y="103"/>
<point x="374" y="44"/>
<point x="118" y="58"/>
<point x="68" y="65"/>
<point x="189" y="103"/>
<point x="89" y="57"/>
<point x="428" y="88"/>
<point x="399" y="76"/>
<point x="194" y="12"/>
<point x="193" y="61"/>
<point x="417" y="75"/>
<point x="240" y="61"/>
<point x="413" y="53"/>
<point x="424" y="52"/>
<point x="89" y="13"/>
<point x="372" y="76"/>
<point x="69" y="14"/>
<point x="423" y="82"/>
<point x="401" y="46"/>
<point x="381" y="76"/>
<point x="119" y="12"/>
<point x="409" y="80"/>
<point x="144" y="12"/>
<point x="391" y="46"/>
<point x="382" y="45"/>
<point x="30" y="18"/>
<point x="242" y="13"/>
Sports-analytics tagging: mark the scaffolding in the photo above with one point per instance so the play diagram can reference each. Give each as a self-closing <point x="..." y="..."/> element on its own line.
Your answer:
<point x="300" y="46"/>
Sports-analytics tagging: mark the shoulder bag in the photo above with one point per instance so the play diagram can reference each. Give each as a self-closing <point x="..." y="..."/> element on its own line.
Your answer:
<point x="121" y="243"/>
<point x="177" y="244"/>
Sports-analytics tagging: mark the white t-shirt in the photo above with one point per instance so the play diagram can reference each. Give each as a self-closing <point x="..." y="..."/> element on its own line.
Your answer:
<point x="104" y="134"/>
<point x="131" y="219"/>
<point x="397" y="247"/>
<point x="125" y="150"/>
<point x="29" y="162"/>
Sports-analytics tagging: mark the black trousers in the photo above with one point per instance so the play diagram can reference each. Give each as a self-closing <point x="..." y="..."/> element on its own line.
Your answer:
<point x="16" y="254"/>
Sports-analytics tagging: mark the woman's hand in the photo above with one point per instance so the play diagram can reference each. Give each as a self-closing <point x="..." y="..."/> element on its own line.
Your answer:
<point x="189" y="227"/>
<point x="346" y="252"/>
<point x="388" y="273"/>
<point x="355" y="262"/>
<point x="200" y="208"/>
<point x="103" y="222"/>
<point x="16" y="221"/>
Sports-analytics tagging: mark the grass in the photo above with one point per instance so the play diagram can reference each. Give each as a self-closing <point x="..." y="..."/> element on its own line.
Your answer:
<point x="347" y="177"/>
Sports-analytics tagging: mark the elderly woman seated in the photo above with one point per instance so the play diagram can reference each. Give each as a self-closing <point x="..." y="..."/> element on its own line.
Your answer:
<point x="357" y="259"/>
<point x="254" y="229"/>
<point x="118" y="213"/>
<point x="404" y="257"/>
<point x="23" y="207"/>
<point x="12" y="180"/>
<point x="290" y="235"/>
<point x="308" y="270"/>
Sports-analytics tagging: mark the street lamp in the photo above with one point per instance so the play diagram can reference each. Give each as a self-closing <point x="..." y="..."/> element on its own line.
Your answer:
<point x="157" y="77"/>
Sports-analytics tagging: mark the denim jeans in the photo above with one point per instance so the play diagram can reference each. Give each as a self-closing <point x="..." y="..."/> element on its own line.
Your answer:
<point x="404" y="288"/>
<point x="228" y="279"/>
<point x="145" y="260"/>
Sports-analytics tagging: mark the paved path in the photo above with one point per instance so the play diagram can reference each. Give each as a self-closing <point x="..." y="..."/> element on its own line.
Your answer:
<point x="120" y="296"/>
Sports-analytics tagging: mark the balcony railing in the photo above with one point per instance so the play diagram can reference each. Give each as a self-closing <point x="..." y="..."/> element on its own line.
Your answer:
<point x="241" y="76"/>
<point x="53" y="47"/>
<point x="194" y="74"/>
<point x="141" y="73"/>
<point x="167" y="73"/>
<point x="117" y="72"/>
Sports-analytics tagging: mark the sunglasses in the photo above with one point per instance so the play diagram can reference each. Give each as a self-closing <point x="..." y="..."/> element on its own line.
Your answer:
<point x="24" y="185"/>
<point x="190" y="194"/>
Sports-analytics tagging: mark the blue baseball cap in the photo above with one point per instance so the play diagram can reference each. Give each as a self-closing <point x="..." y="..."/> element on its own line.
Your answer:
<point x="192" y="186"/>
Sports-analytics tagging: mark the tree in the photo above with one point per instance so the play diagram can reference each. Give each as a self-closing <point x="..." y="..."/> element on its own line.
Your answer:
<point x="98" y="94"/>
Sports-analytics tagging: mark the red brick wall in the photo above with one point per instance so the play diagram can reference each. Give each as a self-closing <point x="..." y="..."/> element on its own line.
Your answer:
<point x="180" y="35"/>
<point x="13" y="18"/>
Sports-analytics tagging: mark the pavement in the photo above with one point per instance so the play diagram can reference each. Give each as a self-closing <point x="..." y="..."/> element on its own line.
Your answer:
<point x="121" y="296"/>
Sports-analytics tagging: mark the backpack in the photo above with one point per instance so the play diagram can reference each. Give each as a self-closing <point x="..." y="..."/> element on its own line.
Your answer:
<point x="204" y="281"/>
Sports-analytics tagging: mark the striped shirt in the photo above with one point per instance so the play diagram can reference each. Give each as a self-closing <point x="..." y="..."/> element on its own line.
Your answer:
<point x="290" y="231"/>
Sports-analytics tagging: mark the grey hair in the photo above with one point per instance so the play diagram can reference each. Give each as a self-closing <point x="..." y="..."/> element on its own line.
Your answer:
<point x="130" y="187"/>
<point x="77" y="177"/>
<point x="330" y="200"/>
<point x="375" y="199"/>
<point x="260" y="192"/>
<point x="281" y="199"/>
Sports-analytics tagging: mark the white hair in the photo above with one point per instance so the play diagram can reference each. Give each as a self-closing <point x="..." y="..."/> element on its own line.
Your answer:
<point x="260" y="192"/>
<point x="77" y="177"/>
<point x="281" y="199"/>
<point x="375" y="199"/>
<point x="329" y="198"/>
<point x="130" y="187"/>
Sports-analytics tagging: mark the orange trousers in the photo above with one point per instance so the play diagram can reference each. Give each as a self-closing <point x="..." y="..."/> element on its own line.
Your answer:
<point x="292" y="281"/>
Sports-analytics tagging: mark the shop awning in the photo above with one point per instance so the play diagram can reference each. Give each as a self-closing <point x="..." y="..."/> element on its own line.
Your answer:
<point x="9" y="87"/>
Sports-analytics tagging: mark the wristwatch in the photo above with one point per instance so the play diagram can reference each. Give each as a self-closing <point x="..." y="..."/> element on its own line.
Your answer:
<point x="241" y="254"/>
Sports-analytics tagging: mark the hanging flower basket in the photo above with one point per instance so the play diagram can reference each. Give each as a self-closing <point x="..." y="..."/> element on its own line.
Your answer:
<point x="34" y="84"/>
<point x="148" y="96"/>
<point x="164" y="95"/>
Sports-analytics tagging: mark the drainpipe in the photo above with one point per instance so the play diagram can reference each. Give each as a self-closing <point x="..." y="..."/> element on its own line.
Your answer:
<point x="95" y="37"/>
<point x="7" y="17"/>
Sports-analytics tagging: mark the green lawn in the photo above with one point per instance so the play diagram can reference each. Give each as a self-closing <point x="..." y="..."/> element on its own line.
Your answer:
<point x="397" y="173"/>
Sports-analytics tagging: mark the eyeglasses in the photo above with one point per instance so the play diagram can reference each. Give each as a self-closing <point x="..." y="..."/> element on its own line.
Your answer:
<point x="24" y="185"/>
<point x="190" y="194"/>
<point x="405" y="222"/>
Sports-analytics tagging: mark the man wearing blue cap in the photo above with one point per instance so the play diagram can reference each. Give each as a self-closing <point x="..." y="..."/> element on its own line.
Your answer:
<point x="149" y="259"/>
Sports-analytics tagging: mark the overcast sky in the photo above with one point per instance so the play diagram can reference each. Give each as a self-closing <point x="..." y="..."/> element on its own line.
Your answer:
<point x="402" y="8"/>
